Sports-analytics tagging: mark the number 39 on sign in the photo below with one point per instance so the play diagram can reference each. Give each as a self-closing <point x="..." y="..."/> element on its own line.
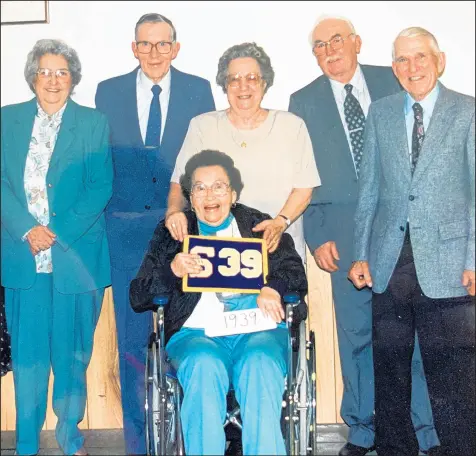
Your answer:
<point x="229" y="264"/>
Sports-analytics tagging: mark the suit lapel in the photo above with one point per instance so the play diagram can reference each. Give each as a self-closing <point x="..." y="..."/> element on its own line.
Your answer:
<point x="174" y="111"/>
<point x="66" y="136"/>
<point x="22" y="134"/>
<point x="332" y="128"/>
<point x="396" y="136"/>
<point x="130" y="113"/>
<point x="437" y="130"/>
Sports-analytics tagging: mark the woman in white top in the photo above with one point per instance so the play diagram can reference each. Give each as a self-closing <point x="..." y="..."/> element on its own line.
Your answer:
<point x="271" y="148"/>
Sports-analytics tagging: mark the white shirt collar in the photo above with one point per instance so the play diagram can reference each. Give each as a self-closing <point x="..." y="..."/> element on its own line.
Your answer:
<point x="56" y="117"/>
<point x="357" y="81"/>
<point x="146" y="84"/>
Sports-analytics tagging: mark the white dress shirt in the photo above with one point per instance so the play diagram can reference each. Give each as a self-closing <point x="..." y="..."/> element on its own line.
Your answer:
<point x="359" y="90"/>
<point x="144" y="98"/>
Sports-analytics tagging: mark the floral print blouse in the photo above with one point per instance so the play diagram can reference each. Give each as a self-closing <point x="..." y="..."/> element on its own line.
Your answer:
<point x="42" y="144"/>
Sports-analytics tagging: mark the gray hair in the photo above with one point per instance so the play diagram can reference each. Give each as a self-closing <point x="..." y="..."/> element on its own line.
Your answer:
<point x="242" y="51"/>
<point x="154" y="18"/>
<point x="325" y="17"/>
<point x="55" y="47"/>
<point x="412" y="32"/>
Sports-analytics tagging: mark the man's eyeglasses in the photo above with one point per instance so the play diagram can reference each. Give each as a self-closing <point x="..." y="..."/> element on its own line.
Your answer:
<point x="61" y="74"/>
<point x="337" y="42"/>
<point x="145" y="47"/>
<point x="253" y="80"/>
<point x="218" y="188"/>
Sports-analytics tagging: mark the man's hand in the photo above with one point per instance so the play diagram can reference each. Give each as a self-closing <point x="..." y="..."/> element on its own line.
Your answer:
<point x="40" y="238"/>
<point x="469" y="281"/>
<point x="176" y="223"/>
<point x="359" y="274"/>
<point x="186" y="263"/>
<point x="273" y="230"/>
<point x="325" y="256"/>
<point x="269" y="301"/>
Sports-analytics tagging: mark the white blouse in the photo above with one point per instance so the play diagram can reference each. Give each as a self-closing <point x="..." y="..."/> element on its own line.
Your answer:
<point x="42" y="144"/>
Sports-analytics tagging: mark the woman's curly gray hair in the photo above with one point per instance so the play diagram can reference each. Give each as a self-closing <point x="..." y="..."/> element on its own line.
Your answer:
<point x="55" y="47"/>
<point x="241" y="51"/>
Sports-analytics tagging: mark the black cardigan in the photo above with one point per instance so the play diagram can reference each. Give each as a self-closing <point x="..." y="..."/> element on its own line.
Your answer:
<point x="155" y="277"/>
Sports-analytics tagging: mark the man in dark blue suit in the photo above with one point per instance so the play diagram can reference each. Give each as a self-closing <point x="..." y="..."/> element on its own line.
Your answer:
<point x="149" y="111"/>
<point x="334" y="107"/>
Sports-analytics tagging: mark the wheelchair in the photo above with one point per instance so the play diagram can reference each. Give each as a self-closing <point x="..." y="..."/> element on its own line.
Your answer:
<point x="163" y="393"/>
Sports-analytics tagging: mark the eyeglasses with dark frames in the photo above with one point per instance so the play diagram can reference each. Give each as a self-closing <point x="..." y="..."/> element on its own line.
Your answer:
<point x="145" y="47"/>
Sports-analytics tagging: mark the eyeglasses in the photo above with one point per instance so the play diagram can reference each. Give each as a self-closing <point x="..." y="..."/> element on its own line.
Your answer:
<point x="145" y="47"/>
<point x="61" y="74"/>
<point x="335" y="43"/>
<point x="253" y="80"/>
<point x="218" y="188"/>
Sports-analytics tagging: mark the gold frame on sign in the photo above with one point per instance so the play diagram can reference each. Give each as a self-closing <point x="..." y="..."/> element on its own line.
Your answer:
<point x="43" y="19"/>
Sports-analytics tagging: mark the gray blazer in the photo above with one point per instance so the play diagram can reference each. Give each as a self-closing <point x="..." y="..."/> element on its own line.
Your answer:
<point x="439" y="200"/>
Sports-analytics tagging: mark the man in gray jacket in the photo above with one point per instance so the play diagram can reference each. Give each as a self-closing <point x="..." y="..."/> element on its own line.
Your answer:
<point x="414" y="245"/>
<point x="334" y="107"/>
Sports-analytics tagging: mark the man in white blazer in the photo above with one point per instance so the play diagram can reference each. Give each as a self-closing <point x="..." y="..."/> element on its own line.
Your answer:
<point x="414" y="245"/>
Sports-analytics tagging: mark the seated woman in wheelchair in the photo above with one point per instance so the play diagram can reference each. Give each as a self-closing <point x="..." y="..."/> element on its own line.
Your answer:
<point x="254" y="364"/>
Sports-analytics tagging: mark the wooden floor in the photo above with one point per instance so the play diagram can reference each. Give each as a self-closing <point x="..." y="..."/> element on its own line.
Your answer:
<point x="109" y="442"/>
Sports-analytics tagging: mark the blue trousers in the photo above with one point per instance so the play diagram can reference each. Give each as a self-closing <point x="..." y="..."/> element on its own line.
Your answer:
<point x="133" y="330"/>
<point x="353" y="310"/>
<point x="254" y="364"/>
<point x="50" y="329"/>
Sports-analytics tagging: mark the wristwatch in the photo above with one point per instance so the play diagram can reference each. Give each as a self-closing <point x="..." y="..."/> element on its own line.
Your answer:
<point x="288" y="221"/>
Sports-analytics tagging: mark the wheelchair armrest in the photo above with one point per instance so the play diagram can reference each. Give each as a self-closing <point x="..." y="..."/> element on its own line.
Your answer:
<point x="292" y="297"/>
<point x="160" y="300"/>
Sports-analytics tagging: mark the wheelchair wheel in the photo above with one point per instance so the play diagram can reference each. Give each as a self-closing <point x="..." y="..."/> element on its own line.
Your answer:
<point x="163" y="431"/>
<point x="312" y="402"/>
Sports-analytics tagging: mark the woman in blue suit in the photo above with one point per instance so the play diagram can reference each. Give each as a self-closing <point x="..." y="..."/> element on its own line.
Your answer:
<point x="56" y="181"/>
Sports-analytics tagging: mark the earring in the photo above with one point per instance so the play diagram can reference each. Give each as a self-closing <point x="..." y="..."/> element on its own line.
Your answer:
<point x="233" y="205"/>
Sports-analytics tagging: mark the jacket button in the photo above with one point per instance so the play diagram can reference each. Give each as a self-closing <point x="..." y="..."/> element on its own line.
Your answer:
<point x="49" y="185"/>
<point x="54" y="214"/>
<point x="411" y="197"/>
<point x="402" y="228"/>
<point x="154" y="180"/>
<point x="147" y="206"/>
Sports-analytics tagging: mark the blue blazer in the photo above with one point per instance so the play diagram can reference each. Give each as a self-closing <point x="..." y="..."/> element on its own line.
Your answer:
<point x="438" y="200"/>
<point x="79" y="186"/>
<point x="142" y="176"/>
<point x="330" y="215"/>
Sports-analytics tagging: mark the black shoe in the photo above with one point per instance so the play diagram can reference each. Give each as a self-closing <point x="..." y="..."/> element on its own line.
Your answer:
<point x="235" y="448"/>
<point x="349" y="449"/>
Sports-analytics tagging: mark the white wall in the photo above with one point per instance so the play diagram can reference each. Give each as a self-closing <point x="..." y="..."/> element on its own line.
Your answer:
<point x="102" y="31"/>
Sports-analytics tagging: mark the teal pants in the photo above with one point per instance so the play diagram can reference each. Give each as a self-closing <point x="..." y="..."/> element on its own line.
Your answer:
<point x="254" y="364"/>
<point x="50" y="329"/>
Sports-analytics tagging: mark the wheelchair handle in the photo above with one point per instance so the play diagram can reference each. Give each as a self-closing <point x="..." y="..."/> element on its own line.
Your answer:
<point x="160" y="300"/>
<point x="292" y="297"/>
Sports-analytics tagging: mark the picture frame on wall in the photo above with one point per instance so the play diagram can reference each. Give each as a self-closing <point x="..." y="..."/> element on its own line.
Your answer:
<point x="24" y="12"/>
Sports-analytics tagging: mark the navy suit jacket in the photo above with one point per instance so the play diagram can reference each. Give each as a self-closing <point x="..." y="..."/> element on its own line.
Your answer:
<point x="141" y="175"/>
<point x="330" y="216"/>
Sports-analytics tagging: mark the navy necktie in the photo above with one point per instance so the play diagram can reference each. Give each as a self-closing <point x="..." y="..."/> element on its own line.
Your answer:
<point x="355" y="119"/>
<point x="418" y="134"/>
<point x="152" y="138"/>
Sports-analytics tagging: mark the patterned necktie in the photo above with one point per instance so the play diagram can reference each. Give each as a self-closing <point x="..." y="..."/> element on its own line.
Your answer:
<point x="418" y="134"/>
<point x="152" y="138"/>
<point x="355" y="119"/>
